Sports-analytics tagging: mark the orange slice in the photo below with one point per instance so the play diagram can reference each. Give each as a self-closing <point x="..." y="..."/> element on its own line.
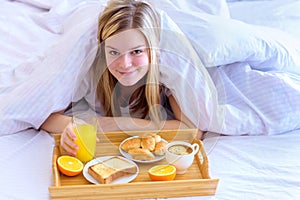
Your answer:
<point x="69" y="165"/>
<point x="162" y="173"/>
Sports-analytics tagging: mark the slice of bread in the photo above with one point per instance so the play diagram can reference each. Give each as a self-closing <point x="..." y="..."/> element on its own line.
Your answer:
<point x="111" y="169"/>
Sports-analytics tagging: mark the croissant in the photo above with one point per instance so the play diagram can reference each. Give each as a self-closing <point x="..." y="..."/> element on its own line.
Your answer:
<point x="160" y="148"/>
<point x="141" y="154"/>
<point x="148" y="143"/>
<point x="131" y="144"/>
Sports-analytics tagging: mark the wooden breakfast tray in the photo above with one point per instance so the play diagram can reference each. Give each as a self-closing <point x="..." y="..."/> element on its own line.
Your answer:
<point x="195" y="182"/>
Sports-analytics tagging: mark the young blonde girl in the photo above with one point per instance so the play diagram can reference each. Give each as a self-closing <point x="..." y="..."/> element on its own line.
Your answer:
<point x="128" y="89"/>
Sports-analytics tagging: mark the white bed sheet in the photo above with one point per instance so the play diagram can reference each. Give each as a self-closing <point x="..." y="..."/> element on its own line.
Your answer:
<point x="256" y="167"/>
<point x="26" y="169"/>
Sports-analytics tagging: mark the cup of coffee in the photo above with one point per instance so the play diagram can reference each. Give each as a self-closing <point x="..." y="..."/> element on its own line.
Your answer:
<point x="181" y="155"/>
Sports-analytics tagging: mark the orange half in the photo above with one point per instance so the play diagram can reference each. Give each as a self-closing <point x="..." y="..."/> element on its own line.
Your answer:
<point x="69" y="165"/>
<point x="162" y="173"/>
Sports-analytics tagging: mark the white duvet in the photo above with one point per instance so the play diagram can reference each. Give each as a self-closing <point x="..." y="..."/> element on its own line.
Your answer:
<point x="248" y="82"/>
<point x="255" y="74"/>
<point x="38" y="77"/>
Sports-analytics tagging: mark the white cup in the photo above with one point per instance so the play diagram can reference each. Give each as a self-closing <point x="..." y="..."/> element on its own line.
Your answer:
<point x="176" y="156"/>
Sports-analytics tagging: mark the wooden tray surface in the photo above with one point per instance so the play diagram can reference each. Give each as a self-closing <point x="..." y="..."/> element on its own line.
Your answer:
<point x="195" y="182"/>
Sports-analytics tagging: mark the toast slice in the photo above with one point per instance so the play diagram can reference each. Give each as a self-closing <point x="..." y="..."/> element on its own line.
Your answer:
<point x="111" y="169"/>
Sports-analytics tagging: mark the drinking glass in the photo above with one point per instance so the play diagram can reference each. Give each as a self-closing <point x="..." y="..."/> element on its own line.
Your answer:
<point x="85" y="128"/>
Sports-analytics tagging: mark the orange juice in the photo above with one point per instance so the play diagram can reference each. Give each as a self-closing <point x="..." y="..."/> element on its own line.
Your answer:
<point x="86" y="141"/>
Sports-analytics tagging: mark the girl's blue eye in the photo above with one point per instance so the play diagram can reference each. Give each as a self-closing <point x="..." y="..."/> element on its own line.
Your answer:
<point x="114" y="53"/>
<point x="137" y="51"/>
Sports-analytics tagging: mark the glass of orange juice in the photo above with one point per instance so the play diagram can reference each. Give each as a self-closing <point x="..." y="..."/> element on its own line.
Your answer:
<point x="85" y="128"/>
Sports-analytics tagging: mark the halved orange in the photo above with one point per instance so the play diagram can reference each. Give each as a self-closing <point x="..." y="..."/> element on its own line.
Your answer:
<point x="69" y="165"/>
<point x="162" y="173"/>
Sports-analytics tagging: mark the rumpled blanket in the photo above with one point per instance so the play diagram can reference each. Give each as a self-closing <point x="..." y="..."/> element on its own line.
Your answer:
<point x="228" y="77"/>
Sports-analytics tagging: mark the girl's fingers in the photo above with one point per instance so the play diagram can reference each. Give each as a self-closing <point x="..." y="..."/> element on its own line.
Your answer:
<point x="71" y="143"/>
<point x="69" y="150"/>
<point x="67" y="141"/>
<point x="70" y="132"/>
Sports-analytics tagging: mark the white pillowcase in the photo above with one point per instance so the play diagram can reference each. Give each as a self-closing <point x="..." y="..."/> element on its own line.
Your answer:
<point x="44" y="4"/>
<point x="221" y="41"/>
<point x="245" y="0"/>
<point x="213" y="7"/>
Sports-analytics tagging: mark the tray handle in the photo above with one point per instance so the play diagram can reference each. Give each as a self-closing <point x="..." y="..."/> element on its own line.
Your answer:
<point x="56" y="174"/>
<point x="202" y="159"/>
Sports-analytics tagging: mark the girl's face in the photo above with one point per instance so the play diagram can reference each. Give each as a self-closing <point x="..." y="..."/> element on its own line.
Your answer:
<point x="127" y="56"/>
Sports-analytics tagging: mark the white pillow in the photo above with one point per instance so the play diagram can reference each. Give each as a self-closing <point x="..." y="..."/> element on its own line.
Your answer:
<point x="213" y="7"/>
<point x="221" y="41"/>
<point x="245" y="0"/>
<point x="60" y="18"/>
<point x="44" y="4"/>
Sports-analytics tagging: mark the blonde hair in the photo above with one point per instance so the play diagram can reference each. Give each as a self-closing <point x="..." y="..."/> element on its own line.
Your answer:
<point x="121" y="15"/>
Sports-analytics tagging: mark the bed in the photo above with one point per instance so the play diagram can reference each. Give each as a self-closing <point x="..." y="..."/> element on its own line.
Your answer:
<point x="252" y="147"/>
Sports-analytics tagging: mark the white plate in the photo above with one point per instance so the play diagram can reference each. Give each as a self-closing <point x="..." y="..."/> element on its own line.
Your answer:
<point x="124" y="179"/>
<point x="127" y="155"/>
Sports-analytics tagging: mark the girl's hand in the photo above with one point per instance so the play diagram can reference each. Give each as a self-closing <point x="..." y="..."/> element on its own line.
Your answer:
<point x="67" y="140"/>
